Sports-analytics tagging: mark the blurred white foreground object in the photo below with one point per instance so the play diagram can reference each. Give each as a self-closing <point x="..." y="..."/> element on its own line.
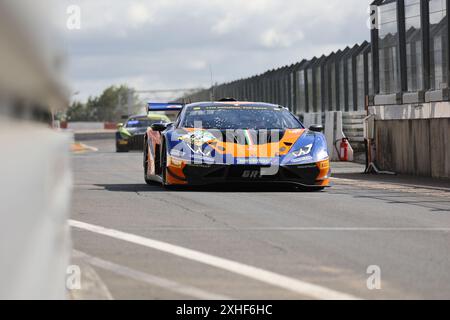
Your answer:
<point x="35" y="181"/>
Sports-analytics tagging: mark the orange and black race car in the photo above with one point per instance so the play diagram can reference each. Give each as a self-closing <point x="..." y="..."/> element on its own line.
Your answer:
<point x="230" y="141"/>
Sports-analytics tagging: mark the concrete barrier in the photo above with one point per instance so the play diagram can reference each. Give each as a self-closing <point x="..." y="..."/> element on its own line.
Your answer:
<point x="93" y="135"/>
<point x="86" y="125"/>
<point x="311" y="118"/>
<point x="415" y="146"/>
<point x="333" y="130"/>
<point x="413" y="139"/>
<point x="334" y="133"/>
<point x="34" y="208"/>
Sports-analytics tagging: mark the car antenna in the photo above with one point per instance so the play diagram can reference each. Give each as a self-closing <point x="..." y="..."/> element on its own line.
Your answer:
<point x="212" y="83"/>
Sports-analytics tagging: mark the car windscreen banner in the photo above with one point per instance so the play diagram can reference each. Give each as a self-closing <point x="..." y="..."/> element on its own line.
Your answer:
<point x="160" y="106"/>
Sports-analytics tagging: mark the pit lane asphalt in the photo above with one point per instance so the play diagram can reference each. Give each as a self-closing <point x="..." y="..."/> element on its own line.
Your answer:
<point x="325" y="238"/>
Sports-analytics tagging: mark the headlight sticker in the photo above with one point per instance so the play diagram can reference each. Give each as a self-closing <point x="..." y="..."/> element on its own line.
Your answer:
<point x="302" y="159"/>
<point x="303" y="151"/>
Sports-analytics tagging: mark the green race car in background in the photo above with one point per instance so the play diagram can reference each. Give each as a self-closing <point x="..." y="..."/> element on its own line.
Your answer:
<point x="130" y="135"/>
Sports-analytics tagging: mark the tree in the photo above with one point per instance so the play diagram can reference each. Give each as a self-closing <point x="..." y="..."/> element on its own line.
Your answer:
<point x="77" y="112"/>
<point x="111" y="105"/>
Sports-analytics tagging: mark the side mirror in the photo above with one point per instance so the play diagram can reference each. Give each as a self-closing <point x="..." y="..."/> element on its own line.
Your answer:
<point x="119" y="125"/>
<point x="159" y="127"/>
<point x="316" y="128"/>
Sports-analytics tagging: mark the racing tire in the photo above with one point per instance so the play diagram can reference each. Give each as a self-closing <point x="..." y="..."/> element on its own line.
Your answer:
<point x="163" y="163"/>
<point x="121" y="149"/>
<point x="164" y="170"/>
<point x="145" y="164"/>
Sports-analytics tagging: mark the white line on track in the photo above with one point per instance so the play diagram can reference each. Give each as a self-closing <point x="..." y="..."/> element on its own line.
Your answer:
<point x="150" y="279"/>
<point x="388" y="229"/>
<point x="93" y="286"/>
<point x="303" y="288"/>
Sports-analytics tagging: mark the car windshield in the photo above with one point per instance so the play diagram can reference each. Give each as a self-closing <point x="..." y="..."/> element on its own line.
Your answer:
<point x="141" y="123"/>
<point x="240" y="117"/>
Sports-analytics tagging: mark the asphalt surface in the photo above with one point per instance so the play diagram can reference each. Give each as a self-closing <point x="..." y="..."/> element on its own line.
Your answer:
<point x="328" y="238"/>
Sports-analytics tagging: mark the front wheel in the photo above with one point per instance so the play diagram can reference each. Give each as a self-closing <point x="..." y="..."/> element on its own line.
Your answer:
<point x="164" y="165"/>
<point x="145" y="163"/>
<point x="166" y="185"/>
<point x="120" y="149"/>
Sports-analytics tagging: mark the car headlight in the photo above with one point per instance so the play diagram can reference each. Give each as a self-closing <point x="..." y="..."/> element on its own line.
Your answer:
<point x="303" y="151"/>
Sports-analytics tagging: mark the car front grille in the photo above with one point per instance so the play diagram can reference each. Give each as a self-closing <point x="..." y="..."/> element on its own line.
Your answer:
<point x="136" y="142"/>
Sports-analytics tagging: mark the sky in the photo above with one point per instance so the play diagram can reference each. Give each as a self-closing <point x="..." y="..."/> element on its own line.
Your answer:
<point x="166" y="44"/>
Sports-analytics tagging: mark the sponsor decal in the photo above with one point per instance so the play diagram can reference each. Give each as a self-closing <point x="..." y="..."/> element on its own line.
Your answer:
<point x="198" y="138"/>
<point x="302" y="159"/>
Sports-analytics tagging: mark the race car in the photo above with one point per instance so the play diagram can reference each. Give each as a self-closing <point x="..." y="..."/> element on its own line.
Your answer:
<point x="130" y="136"/>
<point x="236" y="142"/>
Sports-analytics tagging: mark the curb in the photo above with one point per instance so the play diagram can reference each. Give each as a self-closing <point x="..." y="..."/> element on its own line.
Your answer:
<point x="80" y="148"/>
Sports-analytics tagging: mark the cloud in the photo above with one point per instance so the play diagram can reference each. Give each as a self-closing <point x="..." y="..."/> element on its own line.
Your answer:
<point x="172" y="42"/>
<point x="139" y="14"/>
<point x="196" y="65"/>
<point x="275" y="39"/>
<point x="226" y="24"/>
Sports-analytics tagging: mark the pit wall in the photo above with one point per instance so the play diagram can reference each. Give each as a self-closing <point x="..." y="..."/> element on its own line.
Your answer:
<point x="413" y="139"/>
<point x="87" y="125"/>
